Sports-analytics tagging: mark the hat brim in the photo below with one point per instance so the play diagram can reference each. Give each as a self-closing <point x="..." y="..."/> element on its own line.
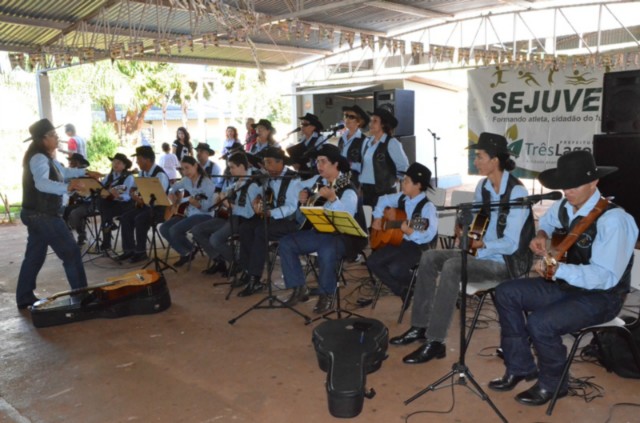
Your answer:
<point x="477" y="146"/>
<point x="31" y="137"/>
<point x="429" y="185"/>
<point x="554" y="179"/>
<point x="127" y="163"/>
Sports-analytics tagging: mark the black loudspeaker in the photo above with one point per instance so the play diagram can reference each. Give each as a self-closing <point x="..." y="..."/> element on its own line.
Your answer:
<point x="623" y="151"/>
<point x="401" y="103"/>
<point x="409" y="146"/>
<point x="621" y="102"/>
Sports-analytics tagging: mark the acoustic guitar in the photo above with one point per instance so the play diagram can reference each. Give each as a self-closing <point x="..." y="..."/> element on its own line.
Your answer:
<point x="478" y="229"/>
<point x="111" y="289"/>
<point x="554" y="257"/>
<point x="391" y="234"/>
<point x="316" y="200"/>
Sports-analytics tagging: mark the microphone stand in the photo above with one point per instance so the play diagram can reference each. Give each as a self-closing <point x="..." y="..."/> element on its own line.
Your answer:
<point x="273" y="302"/>
<point x="97" y="240"/>
<point x="460" y="368"/>
<point x="435" y="156"/>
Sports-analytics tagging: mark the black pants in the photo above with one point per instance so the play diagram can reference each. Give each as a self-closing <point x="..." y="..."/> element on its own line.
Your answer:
<point x="392" y="264"/>
<point x="135" y="224"/>
<point x="253" y="245"/>
<point x="370" y="194"/>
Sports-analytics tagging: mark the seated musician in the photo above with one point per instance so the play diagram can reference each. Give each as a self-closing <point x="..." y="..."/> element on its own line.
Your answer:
<point x="265" y="139"/>
<point x="589" y="289"/>
<point x="382" y="158"/>
<point x="302" y="152"/>
<point x="203" y="153"/>
<point x="118" y="184"/>
<point x="281" y="189"/>
<point x="392" y="263"/>
<point x="355" y="120"/>
<point x="504" y="246"/>
<point x="336" y="192"/>
<point x="79" y="207"/>
<point x="212" y="234"/>
<point x="135" y="223"/>
<point x="192" y="197"/>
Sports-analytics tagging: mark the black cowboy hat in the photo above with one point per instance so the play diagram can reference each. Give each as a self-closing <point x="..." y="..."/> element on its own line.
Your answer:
<point x="313" y="120"/>
<point x="419" y="173"/>
<point x="77" y="157"/>
<point x="204" y="146"/>
<point x="124" y="159"/>
<point x="276" y="153"/>
<point x="264" y="122"/>
<point x="39" y="128"/>
<point x="332" y="153"/>
<point x="385" y="117"/>
<point x="493" y="144"/>
<point x="574" y="169"/>
<point x="358" y="110"/>
<point x="145" y="151"/>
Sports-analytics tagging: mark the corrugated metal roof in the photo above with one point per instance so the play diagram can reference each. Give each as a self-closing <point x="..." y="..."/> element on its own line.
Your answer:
<point x="282" y="36"/>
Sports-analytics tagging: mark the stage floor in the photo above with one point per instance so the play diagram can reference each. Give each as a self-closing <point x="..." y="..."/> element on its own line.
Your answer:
<point x="188" y="364"/>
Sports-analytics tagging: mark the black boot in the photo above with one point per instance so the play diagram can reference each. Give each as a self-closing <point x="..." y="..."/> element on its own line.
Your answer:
<point x="218" y="265"/>
<point x="241" y="280"/>
<point x="252" y="287"/>
<point x="324" y="304"/>
<point x="300" y="294"/>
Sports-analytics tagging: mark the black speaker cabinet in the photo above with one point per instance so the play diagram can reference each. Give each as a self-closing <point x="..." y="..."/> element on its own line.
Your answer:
<point x="409" y="146"/>
<point x="401" y="103"/>
<point x="621" y="102"/>
<point x="623" y="151"/>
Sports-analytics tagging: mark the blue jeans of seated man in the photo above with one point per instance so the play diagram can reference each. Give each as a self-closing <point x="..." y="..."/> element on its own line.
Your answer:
<point x="175" y="231"/>
<point x="392" y="264"/>
<point x="44" y="231"/>
<point x="553" y="311"/>
<point x="434" y="300"/>
<point x="212" y="236"/>
<point x="330" y="249"/>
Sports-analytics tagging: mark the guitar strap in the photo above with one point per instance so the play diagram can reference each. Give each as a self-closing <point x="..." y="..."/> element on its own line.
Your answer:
<point x="580" y="227"/>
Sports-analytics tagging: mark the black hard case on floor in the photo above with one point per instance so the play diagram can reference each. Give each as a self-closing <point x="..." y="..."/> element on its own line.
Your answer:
<point x="349" y="349"/>
<point x="153" y="298"/>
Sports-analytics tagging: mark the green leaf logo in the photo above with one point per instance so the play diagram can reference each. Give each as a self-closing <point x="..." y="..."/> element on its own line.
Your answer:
<point x="515" y="147"/>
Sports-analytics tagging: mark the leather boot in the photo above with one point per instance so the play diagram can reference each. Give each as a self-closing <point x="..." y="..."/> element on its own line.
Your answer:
<point x="324" y="304"/>
<point x="300" y="294"/>
<point x="412" y="335"/>
<point x="252" y="287"/>
<point x="428" y="351"/>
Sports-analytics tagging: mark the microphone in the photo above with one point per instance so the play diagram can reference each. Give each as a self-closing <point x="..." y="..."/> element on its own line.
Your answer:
<point x="532" y="199"/>
<point x="337" y="128"/>
<point x="298" y="129"/>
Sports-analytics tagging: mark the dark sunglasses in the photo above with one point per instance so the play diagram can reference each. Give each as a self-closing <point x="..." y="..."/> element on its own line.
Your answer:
<point x="350" y="117"/>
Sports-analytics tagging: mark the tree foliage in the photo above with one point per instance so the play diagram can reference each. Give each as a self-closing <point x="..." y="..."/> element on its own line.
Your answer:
<point x="102" y="145"/>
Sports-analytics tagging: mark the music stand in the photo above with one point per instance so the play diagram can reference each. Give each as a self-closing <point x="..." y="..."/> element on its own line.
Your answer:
<point x="330" y="221"/>
<point x="92" y="189"/>
<point x="270" y="298"/>
<point x="460" y="368"/>
<point x="153" y="194"/>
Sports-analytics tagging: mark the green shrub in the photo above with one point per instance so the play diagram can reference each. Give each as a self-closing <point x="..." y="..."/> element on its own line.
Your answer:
<point x="102" y="145"/>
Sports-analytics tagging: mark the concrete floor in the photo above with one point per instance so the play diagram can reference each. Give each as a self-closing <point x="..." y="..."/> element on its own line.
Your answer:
<point x="187" y="364"/>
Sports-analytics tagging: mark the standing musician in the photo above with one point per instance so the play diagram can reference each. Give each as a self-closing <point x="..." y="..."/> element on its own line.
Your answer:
<point x="212" y="234"/>
<point x="118" y="183"/>
<point x="282" y="188"/>
<point x="265" y="139"/>
<point x="503" y="247"/>
<point x="197" y="190"/>
<point x="251" y="136"/>
<point x="43" y="185"/>
<point x="382" y="158"/>
<point x="135" y="223"/>
<point x="203" y="152"/>
<point x="301" y="153"/>
<point x="182" y="145"/>
<point x="392" y="263"/>
<point x="79" y="207"/>
<point x="587" y="290"/>
<point x="355" y="120"/>
<point x="231" y="142"/>
<point x="338" y="194"/>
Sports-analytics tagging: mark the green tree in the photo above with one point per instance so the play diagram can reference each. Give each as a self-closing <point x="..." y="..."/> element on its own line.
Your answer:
<point x="102" y="145"/>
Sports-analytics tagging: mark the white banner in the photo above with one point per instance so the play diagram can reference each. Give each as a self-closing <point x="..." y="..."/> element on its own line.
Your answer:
<point x="542" y="113"/>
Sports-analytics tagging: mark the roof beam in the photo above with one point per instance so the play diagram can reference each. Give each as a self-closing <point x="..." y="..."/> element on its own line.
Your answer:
<point x="34" y="22"/>
<point x="408" y="10"/>
<point x="318" y="9"/>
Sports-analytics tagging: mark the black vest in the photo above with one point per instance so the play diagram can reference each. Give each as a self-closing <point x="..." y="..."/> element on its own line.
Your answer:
<point x="384" y="169"/>
<point x="521" y="260"/>
<point x="281" y="197"/>
<point x="354" y="152"/>
<point x="239" y="197"/>
<point x="417" y="214"/>
<point x="38" y="201"/>
<point x="580" y="251"/>
<point x="110" y="182"/>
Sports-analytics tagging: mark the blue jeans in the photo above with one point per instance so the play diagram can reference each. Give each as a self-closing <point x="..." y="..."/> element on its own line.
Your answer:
<point x="44" y="231"/>
<point x="552" y="311"/>
<point x="330" y="249"/>
<point x="175" y="231"/>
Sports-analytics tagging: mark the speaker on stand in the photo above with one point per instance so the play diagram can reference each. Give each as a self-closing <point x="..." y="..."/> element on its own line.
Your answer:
<point x="400" y="103"/>
<point x="621" y="102"/>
